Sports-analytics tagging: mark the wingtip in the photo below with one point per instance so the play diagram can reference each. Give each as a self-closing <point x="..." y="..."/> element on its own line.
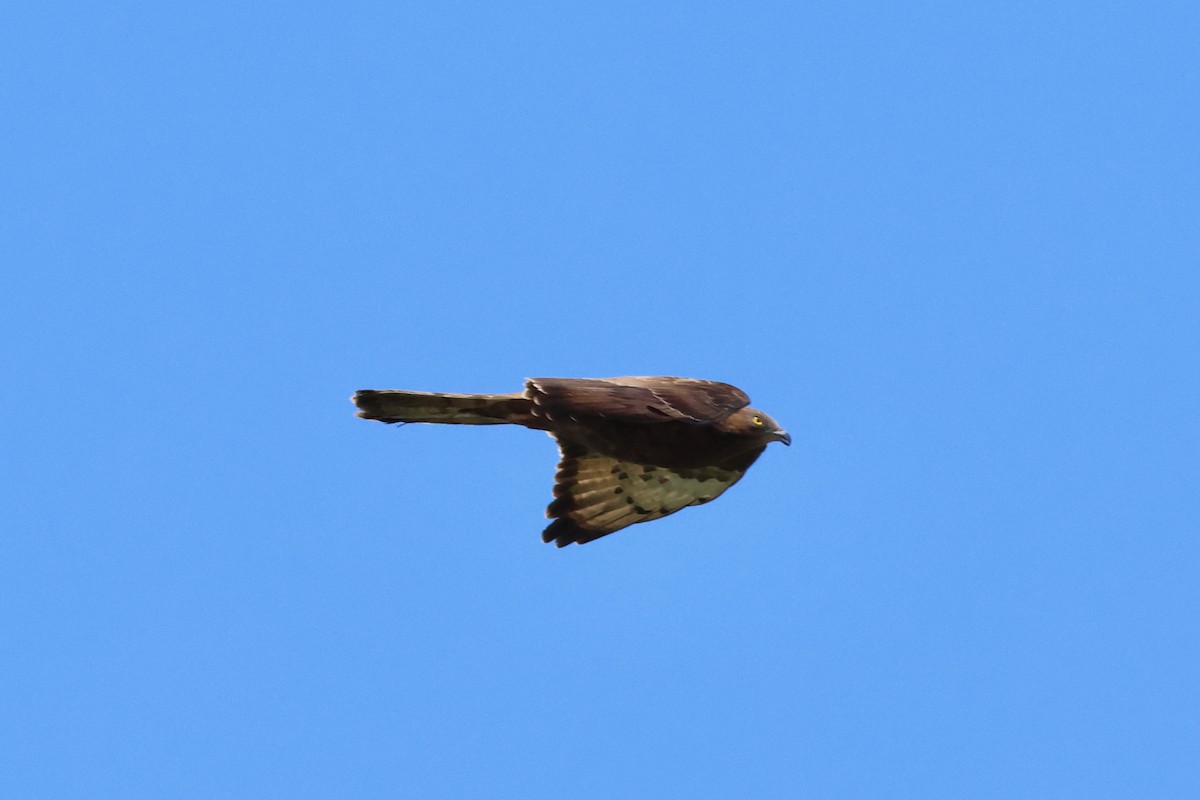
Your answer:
<point x="562" y="532"/>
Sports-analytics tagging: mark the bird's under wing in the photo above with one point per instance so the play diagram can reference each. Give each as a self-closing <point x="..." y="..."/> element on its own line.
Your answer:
<point x="595" y="494"/>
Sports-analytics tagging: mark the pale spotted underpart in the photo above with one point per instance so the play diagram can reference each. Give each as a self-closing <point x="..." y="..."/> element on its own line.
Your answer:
<point x="599" y="493"/>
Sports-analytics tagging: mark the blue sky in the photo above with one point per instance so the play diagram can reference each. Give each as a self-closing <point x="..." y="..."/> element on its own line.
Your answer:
<point x="951" y="247"/>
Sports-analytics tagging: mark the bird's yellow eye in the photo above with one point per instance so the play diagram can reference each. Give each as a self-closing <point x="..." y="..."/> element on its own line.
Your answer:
<point x="757" y="420"/>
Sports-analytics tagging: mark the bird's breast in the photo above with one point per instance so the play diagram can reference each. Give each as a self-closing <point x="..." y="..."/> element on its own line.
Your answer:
<point x="672" y="445"/>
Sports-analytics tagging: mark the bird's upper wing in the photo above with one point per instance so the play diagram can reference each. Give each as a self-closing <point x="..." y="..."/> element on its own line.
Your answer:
<point x="596" y="494"/>
<point x="634" y="399"/>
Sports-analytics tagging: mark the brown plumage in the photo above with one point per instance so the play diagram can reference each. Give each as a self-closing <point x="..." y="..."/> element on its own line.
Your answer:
<point x="633" y="449"/>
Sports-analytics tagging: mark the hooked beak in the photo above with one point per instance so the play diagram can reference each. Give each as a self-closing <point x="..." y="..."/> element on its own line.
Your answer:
<point x="783" y="436"/>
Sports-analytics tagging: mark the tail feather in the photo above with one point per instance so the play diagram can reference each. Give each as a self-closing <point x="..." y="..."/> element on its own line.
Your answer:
<point x="388" y="405"/>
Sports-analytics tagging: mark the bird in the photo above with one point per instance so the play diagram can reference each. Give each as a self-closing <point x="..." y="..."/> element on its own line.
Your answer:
<point x="632" y="449"/>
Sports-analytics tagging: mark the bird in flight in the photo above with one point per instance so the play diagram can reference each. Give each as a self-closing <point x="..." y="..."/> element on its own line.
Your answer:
<point x="632" y="449"/>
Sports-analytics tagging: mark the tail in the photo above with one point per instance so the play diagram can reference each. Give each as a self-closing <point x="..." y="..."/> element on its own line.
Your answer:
<point x="390" y="405"/>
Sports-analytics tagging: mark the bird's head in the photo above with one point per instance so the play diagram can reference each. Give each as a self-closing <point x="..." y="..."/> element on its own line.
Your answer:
<point x="751" y="422"/>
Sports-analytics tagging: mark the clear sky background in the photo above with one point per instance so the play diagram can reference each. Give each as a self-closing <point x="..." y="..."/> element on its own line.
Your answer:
<point x="952" y="247"/>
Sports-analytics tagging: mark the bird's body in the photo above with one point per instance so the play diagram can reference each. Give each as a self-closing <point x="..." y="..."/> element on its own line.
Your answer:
<point x="633" y="449"/>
